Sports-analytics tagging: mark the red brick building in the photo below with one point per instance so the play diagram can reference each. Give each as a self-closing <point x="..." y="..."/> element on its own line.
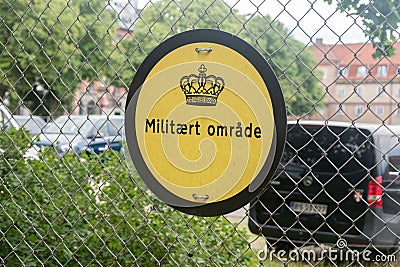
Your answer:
<point x="99" y="98"/>
<point x="358" y="87"/>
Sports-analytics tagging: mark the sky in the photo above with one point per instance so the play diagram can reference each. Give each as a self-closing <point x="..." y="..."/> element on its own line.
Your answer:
<point x="305" y="19"/>
<point x="308" y="19"/>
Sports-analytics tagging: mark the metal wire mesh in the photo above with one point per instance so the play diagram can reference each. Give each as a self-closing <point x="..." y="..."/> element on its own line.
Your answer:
<point x="68" y="197"/>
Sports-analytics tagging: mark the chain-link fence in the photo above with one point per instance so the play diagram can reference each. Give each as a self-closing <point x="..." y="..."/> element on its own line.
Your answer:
<point x="68" y="196"/>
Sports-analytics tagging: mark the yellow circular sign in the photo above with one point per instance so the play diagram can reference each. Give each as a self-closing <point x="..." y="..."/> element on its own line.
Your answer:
<point x="200" y="124"/>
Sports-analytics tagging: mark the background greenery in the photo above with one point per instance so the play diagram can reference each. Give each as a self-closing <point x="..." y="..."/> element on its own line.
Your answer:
<point x="89" y="211"/>
<point x="58" y="46"/>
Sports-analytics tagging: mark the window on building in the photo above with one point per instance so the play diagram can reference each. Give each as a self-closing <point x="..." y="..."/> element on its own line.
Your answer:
<point x="340" y="91"/>
<point x="81" y="110"/>
<point x="380" y="89"/>
<point x="379" y="110"/>
<point x="398" y="112"/>
<point x="359" y="90"/>
<point x="91" y="107"/>
<point x="398" y="91"/>
<point x="359" y="110"/>
<point x="344" y="71"/>
<point x="382" y="71"/>
<point x="341" y="111"/>
<point x="362" y="71"/>
<point x="116" y="91"/>
<point x="324" y="72"/>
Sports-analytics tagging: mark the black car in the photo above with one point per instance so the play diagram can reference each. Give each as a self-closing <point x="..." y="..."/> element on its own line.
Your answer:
<point x="335" y="181"/>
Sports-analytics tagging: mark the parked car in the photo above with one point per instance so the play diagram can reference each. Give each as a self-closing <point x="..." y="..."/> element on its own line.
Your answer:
<point x="34" y="124"/>
<point x="6" y="119"/>
<point x="30" y="122"/>
<point x="334" y="180"/>
<point x="79" y="134"/>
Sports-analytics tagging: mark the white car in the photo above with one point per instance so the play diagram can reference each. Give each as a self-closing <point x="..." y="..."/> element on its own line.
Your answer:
<point x="7" y="120"/>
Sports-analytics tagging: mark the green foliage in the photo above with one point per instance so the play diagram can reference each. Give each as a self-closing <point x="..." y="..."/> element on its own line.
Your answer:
<point x="381" y="19"/>
<point x="54" y="45"/>
<point x="74" y="211"/>
<point x="291" y="61"/>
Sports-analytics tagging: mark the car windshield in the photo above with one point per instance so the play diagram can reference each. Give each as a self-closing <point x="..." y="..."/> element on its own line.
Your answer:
<point x="327" y="149"/>
<point x="66" y="125"/>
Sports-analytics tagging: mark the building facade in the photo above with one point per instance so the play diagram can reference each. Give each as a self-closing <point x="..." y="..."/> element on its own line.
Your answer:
<point x="98" y="97"/>
<point x="359" y="88"/>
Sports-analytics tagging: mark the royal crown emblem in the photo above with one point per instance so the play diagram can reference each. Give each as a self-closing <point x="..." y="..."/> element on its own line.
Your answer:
<point x="202" y="89"/>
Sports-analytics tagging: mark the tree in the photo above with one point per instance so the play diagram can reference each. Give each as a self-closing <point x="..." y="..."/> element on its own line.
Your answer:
<point x="52" y="46"/>
<point x="55" y="46"/>
<point x="94" y="36"/>
<point x="291" y="60"/>
<point x="380" y="18"/>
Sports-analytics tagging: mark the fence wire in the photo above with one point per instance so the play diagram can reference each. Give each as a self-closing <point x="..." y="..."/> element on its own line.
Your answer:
<point x="69" y="197"/>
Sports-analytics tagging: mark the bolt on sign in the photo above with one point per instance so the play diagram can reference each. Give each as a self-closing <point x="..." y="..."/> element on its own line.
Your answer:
<point x="205" y="122"/>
